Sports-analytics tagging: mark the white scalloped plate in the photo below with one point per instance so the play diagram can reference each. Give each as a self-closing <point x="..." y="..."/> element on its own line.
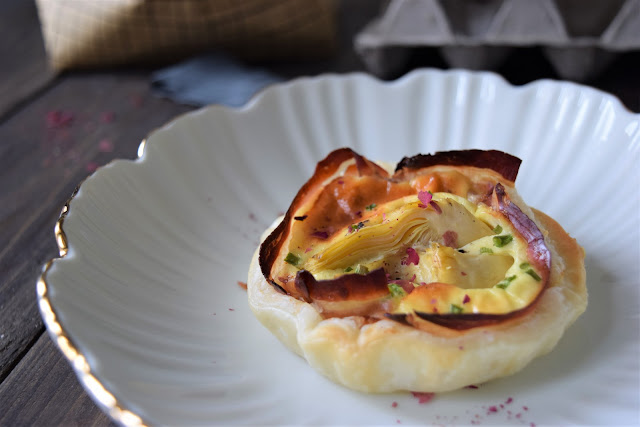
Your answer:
<point x="145" y="303"/>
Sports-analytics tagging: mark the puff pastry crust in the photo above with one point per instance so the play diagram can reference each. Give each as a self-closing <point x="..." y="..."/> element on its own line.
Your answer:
<point x="385" y="342"/>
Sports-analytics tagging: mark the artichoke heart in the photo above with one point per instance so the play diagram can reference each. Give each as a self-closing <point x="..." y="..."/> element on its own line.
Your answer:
<point x="383" y="238"/>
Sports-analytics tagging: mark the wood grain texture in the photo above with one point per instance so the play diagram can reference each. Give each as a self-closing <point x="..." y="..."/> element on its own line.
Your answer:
<point x="43" y="390"/>
<point x="23" y="64"/>
<point x="41" y="162"/>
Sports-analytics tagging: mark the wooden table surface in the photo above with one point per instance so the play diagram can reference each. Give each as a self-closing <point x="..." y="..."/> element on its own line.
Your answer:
<point x="42" y="162"/>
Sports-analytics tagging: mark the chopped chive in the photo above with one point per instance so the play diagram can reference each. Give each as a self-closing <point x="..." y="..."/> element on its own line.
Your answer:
<point x="361" y="269"/>
<point x="533" y="274"/>
<point x="524" y="265"/>
<point x="371" y="207"/>
<point x="292" y="259"/>
<point x="504" y="283"/>
<point x="358" y="226"/>
<point x="396" y="290"/>
<point x="497" y="229"/>
<point x="455" y="309"/>
<point x="500" y="241"/>
<point x="484" y="250"/>
<point x="348" y="269"/>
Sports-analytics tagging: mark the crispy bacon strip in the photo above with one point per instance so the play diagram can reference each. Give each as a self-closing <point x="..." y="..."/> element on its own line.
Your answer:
<point x="503" y="163"/>
<point x="350" y="287"/>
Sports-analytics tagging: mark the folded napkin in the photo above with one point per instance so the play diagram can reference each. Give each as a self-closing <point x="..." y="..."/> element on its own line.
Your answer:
<point x="213" y="78"/>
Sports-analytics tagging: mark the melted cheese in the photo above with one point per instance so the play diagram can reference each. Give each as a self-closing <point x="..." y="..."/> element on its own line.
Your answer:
<point x="461" y="269"/>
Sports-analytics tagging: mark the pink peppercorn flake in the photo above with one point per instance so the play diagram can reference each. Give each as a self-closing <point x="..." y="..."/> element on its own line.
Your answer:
<point x="423" y="397"/>
<point x="466" y="299"/>
<point x="320" y="234"/>
<point x="412" y="257"/>
<point x="493" y="409"/>
<point x="450" y="238"/>
<point x="525" y="408"/>
<point x="509" y="400"/>
<point x="425" y="197"/>
<point x="232" y="309"/>
<point x="463" y="273"/>
<point x="394" y="405"/>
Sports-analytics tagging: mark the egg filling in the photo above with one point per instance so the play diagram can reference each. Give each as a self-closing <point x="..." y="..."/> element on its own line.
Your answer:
<point x="420" y="247"/>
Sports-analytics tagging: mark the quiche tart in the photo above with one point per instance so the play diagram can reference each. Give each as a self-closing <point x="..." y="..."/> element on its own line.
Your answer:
<point x="427" y="277"/>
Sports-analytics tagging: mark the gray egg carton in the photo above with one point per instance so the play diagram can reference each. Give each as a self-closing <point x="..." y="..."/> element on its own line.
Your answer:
<point x="578" y="37"/>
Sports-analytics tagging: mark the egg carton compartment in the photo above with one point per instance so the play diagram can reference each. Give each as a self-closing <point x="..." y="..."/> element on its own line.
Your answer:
<point x="579" y="38"/>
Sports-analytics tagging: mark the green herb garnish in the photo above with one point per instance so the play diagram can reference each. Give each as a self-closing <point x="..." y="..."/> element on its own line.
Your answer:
<point x="292" y="259"/>
<point x="348" y="269"/>
<point x="524" y="265"/>
<point x="358" y="226"/>
<point x="361" y="269"/>
<point x="533" y="274"/>
<point x="500" y="241"/>
<point x="396" y="290"/>
<point x="371" y="207"/>
<point x="497" y="229"/>
<point x="455" y="309"/>
<point x="484" y="250"/>
<point x="504" y="283"/>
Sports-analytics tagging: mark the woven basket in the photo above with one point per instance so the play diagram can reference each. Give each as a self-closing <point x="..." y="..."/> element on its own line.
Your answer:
<point x="91" y="33"/>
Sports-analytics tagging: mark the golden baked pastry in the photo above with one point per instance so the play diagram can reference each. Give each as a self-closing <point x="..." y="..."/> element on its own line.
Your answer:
<point x="429" y="278"/>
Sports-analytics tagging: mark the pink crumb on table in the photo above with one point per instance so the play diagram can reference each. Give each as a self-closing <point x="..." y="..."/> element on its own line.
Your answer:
<point x="91" y="167"/>
<point x="59" y="119"/>
<point x="136" y="100"/>
<point x="105" y="146"/>
<point x="107" y="116"/>
<point x="394" y="405"/>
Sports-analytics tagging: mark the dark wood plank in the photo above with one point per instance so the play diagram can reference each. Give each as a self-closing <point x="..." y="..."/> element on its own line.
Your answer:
<point x="23" y="64"/>
<point x="44" y="390"/>
<point x="42" y="160"/>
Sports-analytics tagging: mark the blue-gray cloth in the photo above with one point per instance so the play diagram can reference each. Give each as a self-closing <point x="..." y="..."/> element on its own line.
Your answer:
<point x="211" y="79"/>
